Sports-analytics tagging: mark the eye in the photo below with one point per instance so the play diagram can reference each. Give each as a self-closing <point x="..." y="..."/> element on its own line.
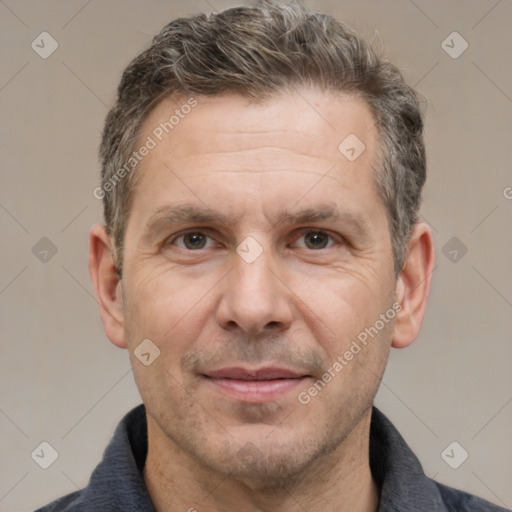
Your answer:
<point x="192" y="240"/>
<point x="315" y="240"/>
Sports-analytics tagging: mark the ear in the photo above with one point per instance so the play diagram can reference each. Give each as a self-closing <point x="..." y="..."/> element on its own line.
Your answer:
<point x="413" y="285"/>
<point x="107" y="285"/>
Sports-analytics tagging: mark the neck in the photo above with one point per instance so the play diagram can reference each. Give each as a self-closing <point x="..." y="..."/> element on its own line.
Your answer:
<point x="339" y="482"/>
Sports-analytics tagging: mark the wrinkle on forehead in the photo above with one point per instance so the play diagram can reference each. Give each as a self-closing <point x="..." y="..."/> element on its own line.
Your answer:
<point x="253" y="161"/>
<point x="228" y="123"/>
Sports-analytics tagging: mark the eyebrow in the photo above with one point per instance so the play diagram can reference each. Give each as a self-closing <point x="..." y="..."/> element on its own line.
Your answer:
<point x="188" y="213"/>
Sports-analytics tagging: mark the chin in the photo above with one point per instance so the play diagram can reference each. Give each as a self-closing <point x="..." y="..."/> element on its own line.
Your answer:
<point x="265" y="463"/>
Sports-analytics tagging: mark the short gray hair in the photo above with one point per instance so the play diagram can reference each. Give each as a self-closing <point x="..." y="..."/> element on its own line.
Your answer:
<point x="258" y="52"/>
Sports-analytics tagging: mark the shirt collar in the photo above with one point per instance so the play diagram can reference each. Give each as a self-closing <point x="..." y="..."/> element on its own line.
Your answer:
<point x="403" y="486"/>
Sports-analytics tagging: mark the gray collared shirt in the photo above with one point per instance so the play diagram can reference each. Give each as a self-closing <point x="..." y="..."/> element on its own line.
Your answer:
<point x="117" y="484"/>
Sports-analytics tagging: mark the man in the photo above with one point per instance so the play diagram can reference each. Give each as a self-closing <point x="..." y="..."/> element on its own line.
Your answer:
<point x="261" y="254"/>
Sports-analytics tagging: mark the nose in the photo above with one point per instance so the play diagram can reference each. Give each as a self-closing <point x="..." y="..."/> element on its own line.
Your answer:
<point x="254" y="297"/>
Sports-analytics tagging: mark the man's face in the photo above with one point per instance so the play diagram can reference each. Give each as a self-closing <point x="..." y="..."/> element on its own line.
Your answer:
<point x="255" y="254"/>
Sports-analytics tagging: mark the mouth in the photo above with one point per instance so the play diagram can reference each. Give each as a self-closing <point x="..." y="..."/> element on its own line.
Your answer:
<point x="255" y="385"/>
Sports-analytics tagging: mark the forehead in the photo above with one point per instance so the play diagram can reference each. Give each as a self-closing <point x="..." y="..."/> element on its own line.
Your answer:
<point x="226" y="149"/>
<point x="309" y="122"/>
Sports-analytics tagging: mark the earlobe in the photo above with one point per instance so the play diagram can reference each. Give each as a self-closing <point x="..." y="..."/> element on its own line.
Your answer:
<point x="107" y="285"/>
<point x="413" y="286"/>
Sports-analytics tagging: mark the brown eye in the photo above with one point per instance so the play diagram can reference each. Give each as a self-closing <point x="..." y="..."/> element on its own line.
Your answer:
<point x="192" y="240"/>
<point x="316" y="240"/>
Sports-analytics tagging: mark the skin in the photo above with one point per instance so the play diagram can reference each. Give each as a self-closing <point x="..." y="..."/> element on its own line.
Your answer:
<point x="315" y="286"/>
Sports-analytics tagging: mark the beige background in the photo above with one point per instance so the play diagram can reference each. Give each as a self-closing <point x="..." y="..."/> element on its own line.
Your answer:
<point x="64" y="383"/>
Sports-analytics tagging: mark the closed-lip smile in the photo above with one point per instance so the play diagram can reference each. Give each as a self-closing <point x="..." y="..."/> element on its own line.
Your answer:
<point x="255" y="384"/>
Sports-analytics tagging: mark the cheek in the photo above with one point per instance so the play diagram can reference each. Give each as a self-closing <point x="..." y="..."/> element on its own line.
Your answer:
<point x="172" y="311"/>
<point x="164" y="304"/>
<point x="336" y="310"/>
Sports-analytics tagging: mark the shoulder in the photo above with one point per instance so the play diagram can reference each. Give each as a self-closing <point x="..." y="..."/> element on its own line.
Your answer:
<point x="460" y="501"/>
<point x="67" y="503"/>
<point x="116" y="484"/>
<point x="402" y="482"/>
<point x="81" y="501"/>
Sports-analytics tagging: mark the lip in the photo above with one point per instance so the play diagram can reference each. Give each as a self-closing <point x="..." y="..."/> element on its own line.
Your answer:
<point x="255" y="374"/>
<point x="255" y="385"/>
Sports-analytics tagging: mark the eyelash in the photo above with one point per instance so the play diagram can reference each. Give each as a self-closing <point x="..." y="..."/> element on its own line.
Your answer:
<point x="303" y="232"/>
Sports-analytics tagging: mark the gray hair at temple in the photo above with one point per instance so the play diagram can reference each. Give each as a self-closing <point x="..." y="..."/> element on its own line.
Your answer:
<point x="260" y="52"/>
